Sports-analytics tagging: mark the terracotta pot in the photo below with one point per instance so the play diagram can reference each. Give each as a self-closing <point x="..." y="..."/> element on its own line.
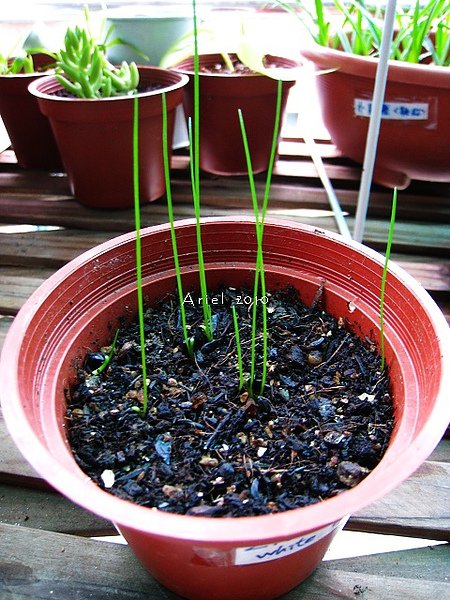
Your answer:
<point x="29" y="131"/>
<point x="221" y="146"/>
<point x="95" y="138"/>
<point x="414" y="140"/>
<point x="77" y="308"/>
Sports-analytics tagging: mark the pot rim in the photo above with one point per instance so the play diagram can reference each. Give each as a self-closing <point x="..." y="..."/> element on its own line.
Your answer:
<point x="34" y="88"/>
<point x="279" y="62"/>
<point x="242" y="530"/>
<point x="366" y="66"/>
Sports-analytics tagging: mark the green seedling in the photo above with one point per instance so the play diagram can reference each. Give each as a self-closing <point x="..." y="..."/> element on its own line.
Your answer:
<point x="137" y="220"/>
<point x="194" y="150"/>
<point x="108" y="357"/>
<point x="23" y="63"/>
<point x="20" y="64"/>
<point x="189" y="341"/>
<point x="238" y="347"/>
<point x="355" y="26"/>
<point x="259" y="281"/>
<point x="384" y="276"/>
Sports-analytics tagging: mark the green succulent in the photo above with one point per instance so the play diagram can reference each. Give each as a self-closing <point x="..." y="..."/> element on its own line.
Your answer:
<point x="85" y="72"/>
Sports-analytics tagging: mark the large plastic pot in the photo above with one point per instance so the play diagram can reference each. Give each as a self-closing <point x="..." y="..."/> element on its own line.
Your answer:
<point x="233" y="558"/>
<point x="95" y="138"/>
<point x="221" y="95"/>
<point x="414" y="141"/>
<point x="29" y="131"/>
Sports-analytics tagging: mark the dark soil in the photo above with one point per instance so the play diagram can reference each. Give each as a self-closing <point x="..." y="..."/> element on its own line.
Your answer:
<point x="239" y="68"/>
<point x="142" y="88"/>
<point x="207" y="448"/>
<point x="220" y="68"/>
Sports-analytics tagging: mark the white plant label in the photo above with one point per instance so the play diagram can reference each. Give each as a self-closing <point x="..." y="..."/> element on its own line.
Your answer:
<point x="258" y="554"/>
<point x="395" y="111"/>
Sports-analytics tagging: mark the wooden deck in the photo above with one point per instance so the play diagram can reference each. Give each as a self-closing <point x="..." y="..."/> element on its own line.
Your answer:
<point x="45" y="550"/>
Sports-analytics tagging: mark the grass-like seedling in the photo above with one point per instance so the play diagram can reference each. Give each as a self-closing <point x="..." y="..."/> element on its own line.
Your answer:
<point x="238" y="347"/>
<point x="108" y="357"/>
<point x="20" y="64"/>
<point x="195" y="181"/>
<point x="384" y="276"/>
<point x="24" y="62"/>
<point x="137" y="221"/>
<point x="422" y="31"/>
<point x="194" y="145"/>
<point x="260" y="280"/>
<point x="187" y="339"/>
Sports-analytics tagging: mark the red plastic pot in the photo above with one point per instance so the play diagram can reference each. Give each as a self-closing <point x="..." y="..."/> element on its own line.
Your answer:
<point x="95" y="138"/>
<point x="29" y="131"/>
<point x="414" y="140"/>
<point x="241" y="558"/>
<point x="221" y="95"/>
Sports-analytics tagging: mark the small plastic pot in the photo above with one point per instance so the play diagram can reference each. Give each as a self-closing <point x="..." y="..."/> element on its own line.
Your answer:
<point x="414" y="141"/>
<point x="95" y="138"/>
<point x="29" y="131"/>
<point x="249" y="558"/>
<point x="221" y="95"/>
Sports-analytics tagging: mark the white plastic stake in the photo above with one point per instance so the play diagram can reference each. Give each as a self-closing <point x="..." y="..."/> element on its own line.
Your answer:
<point x="332" y="198"/>
<point x="374" y="122"/>
<point x="308" y="75"/>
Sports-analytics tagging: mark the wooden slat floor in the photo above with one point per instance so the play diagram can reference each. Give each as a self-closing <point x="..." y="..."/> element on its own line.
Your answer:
<point x="45" y="552"/>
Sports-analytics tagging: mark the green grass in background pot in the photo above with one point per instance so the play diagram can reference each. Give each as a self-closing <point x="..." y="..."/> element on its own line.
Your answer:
<point x="422" y="32"/>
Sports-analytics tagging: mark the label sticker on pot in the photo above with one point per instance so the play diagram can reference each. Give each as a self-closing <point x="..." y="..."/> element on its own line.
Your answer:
<point x="396" y="111"/>
<point x="257" y="554"/>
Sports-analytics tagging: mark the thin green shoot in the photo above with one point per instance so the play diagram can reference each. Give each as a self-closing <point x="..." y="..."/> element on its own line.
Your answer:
<point x="384" y="276"/>
<point x="108" y="357"/>
<point x="187" y="340"/>
<point x="238" y="347"/>
<point x="207" y="318"/>
<point x="422" y="32"/>
<point x="259" y="272"/>
<point x="137" y="220"/>
<point x="194" y="145"/>
<point x="273" y="150"/>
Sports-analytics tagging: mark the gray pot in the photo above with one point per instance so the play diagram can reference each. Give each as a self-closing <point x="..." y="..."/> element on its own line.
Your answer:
<point x="152" y="30"/>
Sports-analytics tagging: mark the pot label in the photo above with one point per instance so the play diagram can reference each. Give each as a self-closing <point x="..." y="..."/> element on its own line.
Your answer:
<point x="395" y="111"/>
<point x="258" y="554"/>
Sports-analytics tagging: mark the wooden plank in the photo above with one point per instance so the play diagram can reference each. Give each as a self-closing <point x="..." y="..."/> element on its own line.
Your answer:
<point x="297" y="147"/>
<point x="231" y="193"/>
<point x="5" y="322"/>
<point x="419" y="507"/>
<point x="28" y="182"/>
<point x="434" y="276"/>
<point x="431" y="562"/>
<point x="42" y="565"/>
<point x="49" y="249"/>
<point x="13" y="467"/>
<point x="17" y="285"/>
<point x="441" y="452"/>
<point x="49" y="511"/>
